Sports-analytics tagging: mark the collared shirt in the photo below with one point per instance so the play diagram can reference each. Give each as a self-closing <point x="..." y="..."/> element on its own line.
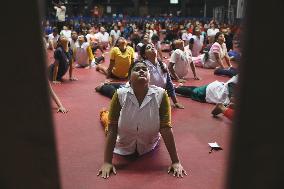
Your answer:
<point x="139" y="126"/>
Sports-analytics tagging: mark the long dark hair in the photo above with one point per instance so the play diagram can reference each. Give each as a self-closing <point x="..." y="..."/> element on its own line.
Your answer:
<point x="217" y="36"/>
<point x="142" y="53"/>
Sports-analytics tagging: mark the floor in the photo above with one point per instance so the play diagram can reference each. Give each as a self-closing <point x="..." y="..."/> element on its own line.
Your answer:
<point x="80" y="141"/>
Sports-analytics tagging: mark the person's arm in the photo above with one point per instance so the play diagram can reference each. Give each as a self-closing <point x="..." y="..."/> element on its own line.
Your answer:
<point x="71" y="78"/>
<point x="171" y="91"/>
<point x="90" y="56"/>
<point x="172" y="71"/>
<point x="167" y="134"/>
<point x="228" y="60"/>
<point x="111" y="62"/>
<point x="192" y="66"/>
<point x="114" y="114"/>
<point x="174" y="74"/>
<point x="176" y="166"/>
<point x="56" y="100"/>
<point x="218" y="59"/>
<point x="55" y="72"/>
<point x="110" y="67"/>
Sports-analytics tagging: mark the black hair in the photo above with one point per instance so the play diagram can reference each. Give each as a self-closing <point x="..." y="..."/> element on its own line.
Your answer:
<point x="155" y="37"/>
<point x="116" y="42"/>
<point x="217" y="36"/>
<point x="54" y="29"/>
<point x="142" y="54"/>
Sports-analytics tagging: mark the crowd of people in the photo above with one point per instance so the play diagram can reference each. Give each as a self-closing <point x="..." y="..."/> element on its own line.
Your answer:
<point x="144" y="77"/>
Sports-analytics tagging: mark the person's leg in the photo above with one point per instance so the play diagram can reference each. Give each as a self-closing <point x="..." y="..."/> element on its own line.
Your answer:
<point x="101" y="69"/>
<point x="186" y="91"/>
<point x="99" y="59"/>
<point x="108" y="89"/>
<point x="226" y="72"/>
<point x="195" y="93"/>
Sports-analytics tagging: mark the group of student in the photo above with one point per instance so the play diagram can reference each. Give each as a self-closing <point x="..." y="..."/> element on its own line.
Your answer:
<point x="140" y="110"/>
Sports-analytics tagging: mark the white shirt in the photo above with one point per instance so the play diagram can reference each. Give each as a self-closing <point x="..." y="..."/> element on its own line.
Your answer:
<point x="218" y="92"/>
<point x="212" y="32"/>
<point x="66" y="33"/>
<point x="92" y="37"/>
<point x="186" y="36"/>
<point x="60" y="13"/>
<point x="82" y="57"/>
<point x="157" y="76"/>
<point x="138" y="126"/>
<point x="116" y="34"/>
<point x="103" y="37"/>
<point x="181" y="60"/>
<point x="215" y="48"/>
<point x="197" y="45"/>
<point x="53" y="39"/>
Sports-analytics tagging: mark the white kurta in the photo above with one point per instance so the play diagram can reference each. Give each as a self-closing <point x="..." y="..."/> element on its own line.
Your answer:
<point x="182" y="60"/>
<point x="138" y="127"/>
<point x="218" y="92"/>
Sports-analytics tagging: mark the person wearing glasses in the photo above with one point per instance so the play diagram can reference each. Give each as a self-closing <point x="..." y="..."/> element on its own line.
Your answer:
<point x="139" y="133"/>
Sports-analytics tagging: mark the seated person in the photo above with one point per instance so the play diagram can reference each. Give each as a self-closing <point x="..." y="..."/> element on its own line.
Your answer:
<point x="180" y="61"/>
<point x="83" y="53"/>
<point x="121" y="58"/>
<point x="63" y="56"/>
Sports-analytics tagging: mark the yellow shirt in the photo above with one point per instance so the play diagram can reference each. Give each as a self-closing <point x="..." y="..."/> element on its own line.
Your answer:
<point x="122" y="61"/>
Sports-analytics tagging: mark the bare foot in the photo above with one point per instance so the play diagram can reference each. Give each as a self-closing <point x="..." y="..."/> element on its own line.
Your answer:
<point x="219" y="108"/>
<point x="98" y="88"/>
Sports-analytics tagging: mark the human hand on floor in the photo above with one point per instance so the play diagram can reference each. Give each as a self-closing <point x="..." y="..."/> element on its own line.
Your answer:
<point x="56" y="82"/>
<point x="73" y="79"/>
<point x="196" y="78"/>
<point x="179" y="106"/>
<point x="62" y="110"/>
<point x="106" y="170"/>
<point x="177" y="169"/>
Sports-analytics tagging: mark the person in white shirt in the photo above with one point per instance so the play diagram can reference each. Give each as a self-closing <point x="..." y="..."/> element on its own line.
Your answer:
<point x="186" y="36"/>
<point x="52" y="39"/>
<point x="114" y="34"/>
<point x="66" y="32"/>
<point x="103" y="38"/>
<point x="215" y="92"/>
<point x="83" y="54"/>
<point x="218" y="53"/>
<point x="196" y="41"/>
<point x="139" y="132"/>
<point x="211" y="32"/>
<point x="60" y="14"/>
<point x="180" y="61"/>
<point x="92" y="35"/>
